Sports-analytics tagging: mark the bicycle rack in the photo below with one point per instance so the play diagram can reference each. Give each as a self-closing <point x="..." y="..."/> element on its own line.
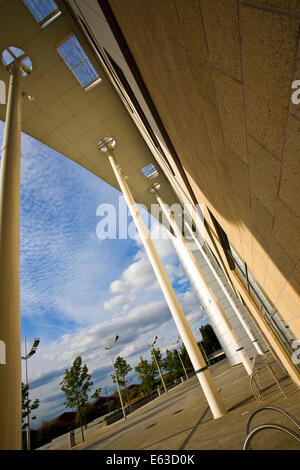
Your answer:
<point x="261" y="427"/>
<point x="260" y="366"/>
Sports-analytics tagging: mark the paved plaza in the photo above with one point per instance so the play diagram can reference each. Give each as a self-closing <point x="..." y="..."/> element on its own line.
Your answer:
<point x="181" y="419"/>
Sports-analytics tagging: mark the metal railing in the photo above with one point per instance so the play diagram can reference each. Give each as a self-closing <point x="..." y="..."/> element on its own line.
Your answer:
<point x="262" y="427"/>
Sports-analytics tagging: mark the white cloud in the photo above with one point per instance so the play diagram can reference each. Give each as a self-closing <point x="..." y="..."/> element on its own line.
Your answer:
<point x="71" y="278"/>
<point x="135" y="329"/>
<point x="138" y="277"/>
<point x="119" y="301"/>
<point x="161" y="238"/>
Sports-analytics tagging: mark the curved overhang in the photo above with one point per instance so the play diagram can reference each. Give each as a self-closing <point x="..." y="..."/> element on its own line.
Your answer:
<point x="65" y="117"/>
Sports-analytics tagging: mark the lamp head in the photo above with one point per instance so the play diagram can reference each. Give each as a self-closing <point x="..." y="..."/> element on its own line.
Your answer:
<point x="36" y="342"/>
<point x="12" y="55"/>
<point x="177" y="340"/>
<point x="108" y="143"/>
<point x="28" y="97"/>
<point x="154" y="188"/>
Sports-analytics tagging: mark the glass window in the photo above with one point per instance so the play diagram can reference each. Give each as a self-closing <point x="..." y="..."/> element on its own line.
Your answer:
<point x="149" y="171"/>
<point x="78" y="62"/>
<point x="44" y="11"/>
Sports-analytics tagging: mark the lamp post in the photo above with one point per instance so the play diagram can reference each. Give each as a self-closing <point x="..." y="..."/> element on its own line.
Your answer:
<point x="208" y="298"/>
<point x="247" y="328"/>
<point x="32" y="351"/>
<point x="18" y="65"/>
<point x="157" y="365"/>
<point x="212" y="396"/>
<point x="180" y="358"/>
<point x="109" y="348"/>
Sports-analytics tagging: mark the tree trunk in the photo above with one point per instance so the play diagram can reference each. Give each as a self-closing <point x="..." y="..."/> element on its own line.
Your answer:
<point x="81" y="424"/>
<point x="126" y="391"/>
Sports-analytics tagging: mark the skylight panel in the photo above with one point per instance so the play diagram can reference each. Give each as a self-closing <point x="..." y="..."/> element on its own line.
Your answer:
<point x="149" y="171"/>
<point x="78" y="62"/>
<point x="44" y="11"/>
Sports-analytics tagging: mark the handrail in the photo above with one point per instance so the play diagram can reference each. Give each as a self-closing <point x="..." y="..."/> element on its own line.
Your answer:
<point x="261" y="427"/>
<point x="272" y="408"/>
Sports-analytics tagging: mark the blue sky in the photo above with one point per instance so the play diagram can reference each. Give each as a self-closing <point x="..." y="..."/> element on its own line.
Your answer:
<point x="77" y="289"/>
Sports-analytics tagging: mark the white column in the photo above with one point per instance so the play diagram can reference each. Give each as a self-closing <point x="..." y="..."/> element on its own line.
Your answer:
<point x="228" y="296"/>
<point x="209" y="301"/>
<point x="215" y="403"/>
<point x="10" y="321"/>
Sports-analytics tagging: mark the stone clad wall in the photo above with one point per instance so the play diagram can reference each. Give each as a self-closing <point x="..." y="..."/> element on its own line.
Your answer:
<point x="221" y="72"/>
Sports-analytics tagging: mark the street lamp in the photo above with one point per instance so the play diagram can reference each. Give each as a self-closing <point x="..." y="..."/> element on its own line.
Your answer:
<point x="106" y="145"/>
<point x="161" y="376"/>
<point x="32" y="351"/>
<point x="180" y="358"/>
<point x="109" y="348"/>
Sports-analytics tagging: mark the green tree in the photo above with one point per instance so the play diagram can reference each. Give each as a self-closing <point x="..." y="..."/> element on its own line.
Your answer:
<point x="75" y="385"/>
<point x="27" y="406"/>
<point x="122" y="369"/>
<point x="97" y="393"/>
<point x="185" y="358"/>
<point x="43" y="434"/>
<point x="159" y="360"/>
<point x="172" y="361"/>
<point x="158" y="357"/>
<point x="146" y="375"/>
<point x="210" y="342"/>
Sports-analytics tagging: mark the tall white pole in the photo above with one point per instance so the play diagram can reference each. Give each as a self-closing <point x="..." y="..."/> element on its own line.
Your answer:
<point x="228" y="296"/>
<point x="209" y="301"/>
<point x="204" y="353"/>
<point x="118" y="386"/>
<point x="210" y="391"/>
<point x="27" y="384"/>
<point x="180" y="358"/>
<point x="10" y="318"/>
<point x="184" y="369"/>
<point x="158" y="368"/>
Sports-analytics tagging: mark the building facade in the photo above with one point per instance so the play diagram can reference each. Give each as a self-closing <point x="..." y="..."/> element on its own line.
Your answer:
<point x="199" y="90"/>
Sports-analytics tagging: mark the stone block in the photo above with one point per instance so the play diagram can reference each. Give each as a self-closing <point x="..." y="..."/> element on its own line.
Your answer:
<point x="221" y="21"/>
<point x="264" y="173"/>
